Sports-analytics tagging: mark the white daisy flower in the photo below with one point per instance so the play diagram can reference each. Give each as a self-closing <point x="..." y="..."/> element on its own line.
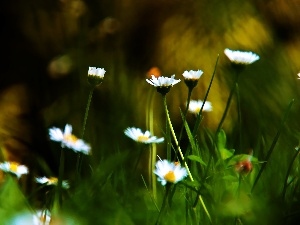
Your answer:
<point x="99" y="72"/>
<point x="162" y="81"/>
<point x="137" y="135"/>
<point x="95" y="75"/>
<point x="192" y="74"/>
<point x="163" y="84"/>
<point x="298" y="75"/>
<point x="51" y="181"/>
<point x="69" y="140"/>
<point x="195" y="106"/>
<point x="169" y="172"/>
<point x="14" y="168"/>
<point x="240" y="57"/>
<point x="42" y="217"/>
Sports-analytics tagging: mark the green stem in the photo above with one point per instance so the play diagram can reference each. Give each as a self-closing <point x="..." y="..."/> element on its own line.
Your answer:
<point x="289" y="171"/>
<point x="138" y="159"/>
<point x="164" y="204"/>
<point x="60" y="176"/>
<point x="168" y="127"/>
<point x="185" y="112"/>
<point x="198" y="120"/>
<point x="239" y="116"/>
<point x="228" y="104"/>
<point x="153" y="151"/>
<point x="175" y="139"/>
<point x="79" y="157"/>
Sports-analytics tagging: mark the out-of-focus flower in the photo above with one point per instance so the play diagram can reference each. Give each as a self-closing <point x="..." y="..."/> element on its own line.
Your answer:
<point x="155" y="71"/>
<point x="95" y="75"/>
<point x="240" y="57"/>
<point x="192" y="74"/>
<point x="60" y="66"/>
<point x="191" y="78"/>
<point x="169" y="172"/>
<point x="244" y="166"/>
<point x="51" y="181"/>
<point x="137" y="135"/>
<point x="298" y="75"/>
<point x="69" y="140"/>
<point x="195" y="106"/>
<point x="163" y="84"/>
<point x="14" y="168"/>
<point x="42" y="217"/>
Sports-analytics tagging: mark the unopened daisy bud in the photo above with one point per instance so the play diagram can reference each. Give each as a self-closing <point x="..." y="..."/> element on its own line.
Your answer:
<point x="244" y="167"/>
<point x="191" y="78"/>
<point x="95" y="75"/>
<point x="169" y="172"/>
<point x="163" y="84"/>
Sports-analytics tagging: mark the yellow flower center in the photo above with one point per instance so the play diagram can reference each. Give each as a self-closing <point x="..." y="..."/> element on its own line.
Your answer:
<point x="70" y="138"/>
<point x="170" y="177"/>
<point x="197" y="110"/>
<point x="14" y="167"/>
<point x="52" y="180"/>
<point x="142" y="138"/>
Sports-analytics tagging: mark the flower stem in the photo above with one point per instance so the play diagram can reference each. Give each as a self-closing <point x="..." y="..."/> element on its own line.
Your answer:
<point x="289" y="171"/>
<point x="79" y="157"/>
<point x="153" y="151"/>
<point x="175" y="139"/>
<point x="185" y="112"/>
<point x="168" y="127"/>
<point x="228" y="103"/>
<point x="239" y="115"/>
<point x="164" y="204"/>
<point x="60" y="176"/>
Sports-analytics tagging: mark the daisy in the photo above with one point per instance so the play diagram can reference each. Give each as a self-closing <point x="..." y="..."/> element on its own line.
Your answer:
<point x="163" y="84"/>
<point x="51" y="181"/>
<point x="69" y="140"/>
<point x="42" y="217"/>
<point x="240" y="57"/>
<point x="98" y="72"/>
<point x="191" y="78"/>
<point x="14" y="168"/>
<point x="195" y="106"/>
<point x="298" y="75"/>
<point x="169" y="172"/>
<point x="137" y="135"/>
<point x="95" y="75"/>
<point x="192" y="74"/>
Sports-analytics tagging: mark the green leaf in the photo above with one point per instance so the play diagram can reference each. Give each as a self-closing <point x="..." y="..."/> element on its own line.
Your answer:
<point x="189" y="134"/>
<point x="196" y="158"/>
<point x="225" y="153"/>
<point x="221" y="139"/>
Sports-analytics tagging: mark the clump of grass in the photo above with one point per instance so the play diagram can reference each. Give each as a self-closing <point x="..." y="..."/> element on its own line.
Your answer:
<point x="206" y="183"/>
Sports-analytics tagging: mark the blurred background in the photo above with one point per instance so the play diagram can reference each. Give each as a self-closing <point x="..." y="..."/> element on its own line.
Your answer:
<point x="47" y="47"/>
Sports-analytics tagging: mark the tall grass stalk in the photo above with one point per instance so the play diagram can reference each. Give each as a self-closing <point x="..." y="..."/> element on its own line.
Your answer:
<point x="153" y="150"/>
<point x="80" y="155"/>
<point x="273" y="143"/>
